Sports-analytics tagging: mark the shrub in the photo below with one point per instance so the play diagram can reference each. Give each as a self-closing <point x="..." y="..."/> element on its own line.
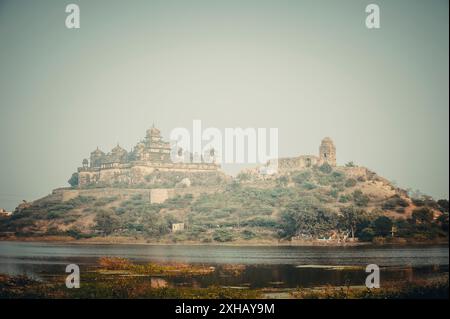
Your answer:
<point x="443" y="221"/>
<point x="360" y="199"/>
<point x="350" y="182"/>
<point x="222" y="235"/>
<point x="382" y="226"/>
<point x="393" y="202"/>
<point x="334" y="193"/>
<point x="107" y="223"/>
<point x="54" y="214"/>
<point x="422" y="215"/>
<point x="350" y="164"/>
<point x="443" y="205"/>
<point x="120" y="210"/>
<point x="326" y="168"/>
<point x="301" y="177"/>
<point x="345" y="198"/>
<point x="248" y="234"/>
<point x="309" y="186"/>
<point x="367" y="234"/>
<point x="282" y="180"/>
<point x="266" y="222"/>
<point x="73" y="181"/>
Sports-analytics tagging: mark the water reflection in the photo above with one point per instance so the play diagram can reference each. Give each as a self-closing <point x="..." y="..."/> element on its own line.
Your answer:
<point x="255" y="267"/>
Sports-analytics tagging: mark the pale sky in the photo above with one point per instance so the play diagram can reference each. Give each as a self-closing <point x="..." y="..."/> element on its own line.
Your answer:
<point x="310" y="68"/>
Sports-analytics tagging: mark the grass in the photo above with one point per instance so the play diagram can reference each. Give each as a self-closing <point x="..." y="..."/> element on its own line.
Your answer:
<point x="121" y="278"/>
<point x="418" y="289"/>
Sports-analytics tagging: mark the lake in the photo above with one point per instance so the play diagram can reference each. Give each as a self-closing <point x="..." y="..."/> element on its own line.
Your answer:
<point x="268" y="266"/>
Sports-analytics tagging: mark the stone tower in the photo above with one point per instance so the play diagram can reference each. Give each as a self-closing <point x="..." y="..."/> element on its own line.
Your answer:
<point x="327" y="151"/>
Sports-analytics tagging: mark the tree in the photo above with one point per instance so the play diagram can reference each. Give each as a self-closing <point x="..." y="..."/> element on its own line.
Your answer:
<point x="306" y="218"/>
<point x="367" y="234"/>
<point x="350" y="217"/>
<point x="443" y="221"/>
<point x="288" y="224"/>
<point x="73" y="181"/>
<point x="350" y="164"/>
<point x="443" y="205"/>
<point x="107" y="222"/>
<point x="422" y="215"/>
<point x="382" y="226"/>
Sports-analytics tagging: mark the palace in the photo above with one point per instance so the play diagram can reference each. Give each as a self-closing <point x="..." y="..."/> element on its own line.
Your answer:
<point x="131" y="168"/>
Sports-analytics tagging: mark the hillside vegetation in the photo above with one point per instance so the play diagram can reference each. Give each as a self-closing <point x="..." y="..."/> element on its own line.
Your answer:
<point x="321" y="204"/>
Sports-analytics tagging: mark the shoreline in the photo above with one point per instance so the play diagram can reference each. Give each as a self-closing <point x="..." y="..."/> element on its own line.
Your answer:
<point x="123" y="241"/>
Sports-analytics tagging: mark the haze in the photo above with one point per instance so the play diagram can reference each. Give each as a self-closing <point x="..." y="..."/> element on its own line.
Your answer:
<point x="310" y="68"/>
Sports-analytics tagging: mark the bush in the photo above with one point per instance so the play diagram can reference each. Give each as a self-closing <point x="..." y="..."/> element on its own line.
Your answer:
<point x="326" y="168"/>
<point x="54" y="214"/>
<point x="422" y="216"/>
<point x="120" y="210"/>
<point x="260" y="221"/>
<point x="282" y="180"/>
<point x="73" y="181"/>
<point x="248" y="234"/>
<point x="393" y="202"/>
<point x="360" y="199"/>
<point x="309" y="186"/>
<point x="367" y="234"/>
<point x="107" y="223"/>
<point x="345" y="198"/>
<point x="222" y="235"/>
<point x="350" y="164"/>
<point x="350" y="182"/>
<point x="382" y="226"/>
<point x="75" y="233"/>
<point x="334" y="193"/>
<point x="443" y="205"/>
<point x="105" y="200"/>
<point x="301" y="177"/>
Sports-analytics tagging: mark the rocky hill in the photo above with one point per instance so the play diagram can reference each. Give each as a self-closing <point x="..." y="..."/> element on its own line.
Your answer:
<point x="321" y="204"/>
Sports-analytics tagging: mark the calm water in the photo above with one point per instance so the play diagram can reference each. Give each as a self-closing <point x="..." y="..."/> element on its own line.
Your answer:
<point x="265" y="266"/>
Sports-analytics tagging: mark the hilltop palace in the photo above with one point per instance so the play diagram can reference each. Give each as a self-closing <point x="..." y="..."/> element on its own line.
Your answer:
<point x="150" y="155"/>
<point x="153" y="154"/>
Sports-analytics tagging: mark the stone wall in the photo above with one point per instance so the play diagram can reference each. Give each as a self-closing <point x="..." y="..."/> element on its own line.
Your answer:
<point x="68" y="194"/>
<point x="297" y="163"/>
<point x="134" y="174"/>
<point x="155" y="195"/>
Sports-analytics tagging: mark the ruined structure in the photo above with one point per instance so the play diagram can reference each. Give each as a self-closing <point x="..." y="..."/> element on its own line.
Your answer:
<point x="327" y="154"/>
<point x="150" y="155"/>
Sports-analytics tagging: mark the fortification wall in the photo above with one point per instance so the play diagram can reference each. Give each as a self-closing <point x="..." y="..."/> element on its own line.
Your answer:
<point x="155" y="195"/>
<point x="68" y="194"/>
<point x="297" y="163"/>
<point x="135" y="174"/>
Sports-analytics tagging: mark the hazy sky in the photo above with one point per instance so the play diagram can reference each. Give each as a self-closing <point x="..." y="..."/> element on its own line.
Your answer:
<point x="310" y="68"/>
